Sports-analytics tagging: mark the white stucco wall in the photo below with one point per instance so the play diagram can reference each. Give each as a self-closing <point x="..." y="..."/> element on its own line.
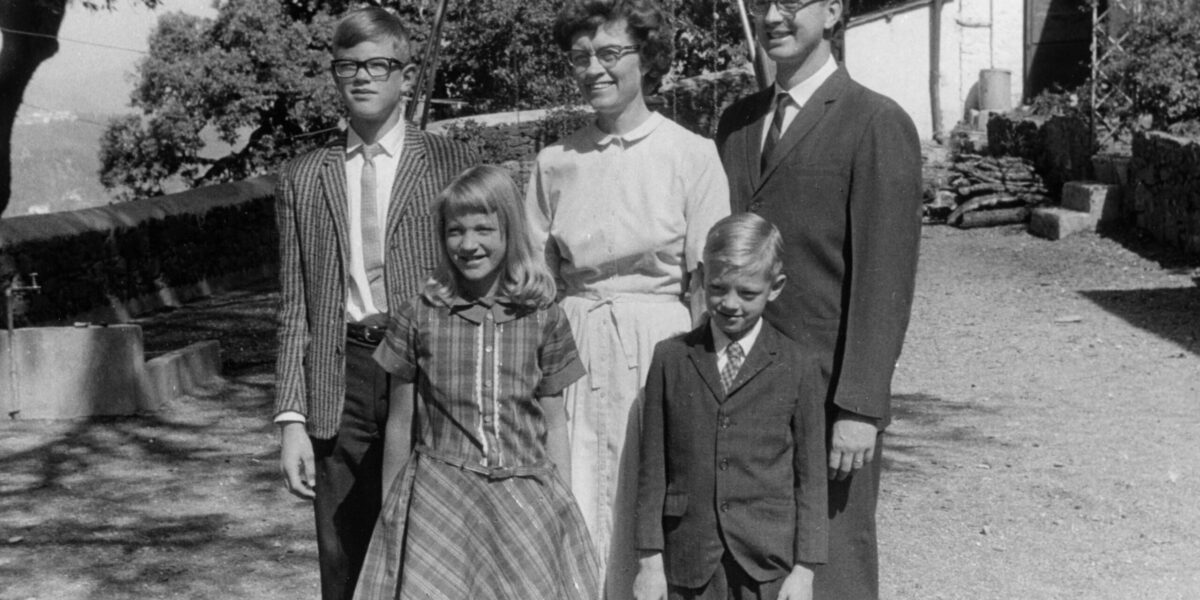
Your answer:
<point x="890" y="54"/>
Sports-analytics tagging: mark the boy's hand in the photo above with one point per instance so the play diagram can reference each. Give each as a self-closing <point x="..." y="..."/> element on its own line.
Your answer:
<point x="851" y="444"/>
<point x="296" y="461"/>
<point x="651" y="581"/>
<point x="798" y="585"/>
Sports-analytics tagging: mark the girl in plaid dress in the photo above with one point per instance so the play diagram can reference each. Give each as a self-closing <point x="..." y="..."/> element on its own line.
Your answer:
<point x="481" y="510"/>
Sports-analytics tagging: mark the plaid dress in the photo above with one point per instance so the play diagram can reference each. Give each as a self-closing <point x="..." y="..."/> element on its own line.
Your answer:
<point x="480" y="512"/>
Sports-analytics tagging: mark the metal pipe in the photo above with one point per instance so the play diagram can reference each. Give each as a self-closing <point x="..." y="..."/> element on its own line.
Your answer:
<point x="762" y="73"/>
<point x="428" y="71"/>
<point x="935" y="67"/>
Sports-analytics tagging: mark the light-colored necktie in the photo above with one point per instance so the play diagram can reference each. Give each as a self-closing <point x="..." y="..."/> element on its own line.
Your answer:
<point x="782" y="99"/>
<point x="733" y="362"/>
<point x="372" y="232"/>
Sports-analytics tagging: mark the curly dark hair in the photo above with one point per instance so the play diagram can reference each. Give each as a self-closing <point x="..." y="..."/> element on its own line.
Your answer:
<point x="649" y="26"/>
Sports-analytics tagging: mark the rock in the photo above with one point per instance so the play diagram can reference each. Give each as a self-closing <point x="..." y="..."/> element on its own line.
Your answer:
<point x="1101" y="201"/>
<point x="1055" y="223"/>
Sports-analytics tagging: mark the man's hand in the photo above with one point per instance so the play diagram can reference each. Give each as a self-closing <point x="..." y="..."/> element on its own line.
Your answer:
<point x="798" y="585"/>
<point x="851" y="445"/>
<point x="296" y="461"/>
<point x="651" y="581"/>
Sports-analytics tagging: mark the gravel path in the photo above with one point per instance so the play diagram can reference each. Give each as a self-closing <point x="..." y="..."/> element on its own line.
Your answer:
<point x="1047" y="407"/>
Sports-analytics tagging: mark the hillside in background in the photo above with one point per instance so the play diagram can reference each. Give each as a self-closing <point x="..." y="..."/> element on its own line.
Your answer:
<point x="56" y="165"/>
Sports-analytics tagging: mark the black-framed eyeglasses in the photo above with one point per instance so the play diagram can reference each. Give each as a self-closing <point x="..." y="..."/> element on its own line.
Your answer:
<point x="608" y="56"/>
<point x="760" y="8"/>
<point x="377" y="68"/>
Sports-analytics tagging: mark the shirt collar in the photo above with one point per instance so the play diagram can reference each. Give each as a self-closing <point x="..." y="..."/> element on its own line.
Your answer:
<point x="721" y="341"/>
<point x="391" y="142"/>
<point x="639" y="132"/>
<point x="802" y="92"/>
<point x="476" y="310"/>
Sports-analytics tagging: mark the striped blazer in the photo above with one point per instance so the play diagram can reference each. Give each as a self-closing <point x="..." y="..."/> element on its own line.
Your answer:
<point x="311" y="212"/>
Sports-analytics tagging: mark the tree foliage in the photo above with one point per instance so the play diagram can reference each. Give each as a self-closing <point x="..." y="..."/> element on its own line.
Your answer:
<point x="1154" y="81"/>
<point x="256" y="77"/>
<point x="253" y="78"/>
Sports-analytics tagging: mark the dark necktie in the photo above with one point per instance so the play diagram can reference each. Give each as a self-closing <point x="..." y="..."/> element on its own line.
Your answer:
<point x="733" y="362"/>
<point x="782" y="99"/>
<point x="372" y="233"/>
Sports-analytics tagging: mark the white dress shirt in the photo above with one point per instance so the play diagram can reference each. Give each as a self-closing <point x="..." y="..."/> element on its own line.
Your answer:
<point x="800" y="94"/>
<point x="721" y="343"/>
<point x="359" y="305"/>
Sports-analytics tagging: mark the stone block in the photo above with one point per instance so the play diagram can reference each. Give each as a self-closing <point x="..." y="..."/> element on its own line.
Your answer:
<point x="1055" y="223"/>
<point x="72" y="372"/>
<point x="182" y="372"/>
<point x="1100" y="200"/>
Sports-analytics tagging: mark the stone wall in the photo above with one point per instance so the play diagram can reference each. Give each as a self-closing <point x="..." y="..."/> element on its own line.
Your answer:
<point x="113" y="262"/>
<point x="1165" y="176"/>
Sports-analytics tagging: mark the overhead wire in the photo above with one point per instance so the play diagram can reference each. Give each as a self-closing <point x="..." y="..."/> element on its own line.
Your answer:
<point x="73" y="41"/>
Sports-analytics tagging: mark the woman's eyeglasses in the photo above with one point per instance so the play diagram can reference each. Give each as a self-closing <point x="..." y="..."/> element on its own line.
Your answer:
<point x="608" y="56"/>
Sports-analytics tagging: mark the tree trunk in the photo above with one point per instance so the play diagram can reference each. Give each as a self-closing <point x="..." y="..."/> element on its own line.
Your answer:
<point x="19" y="58"/>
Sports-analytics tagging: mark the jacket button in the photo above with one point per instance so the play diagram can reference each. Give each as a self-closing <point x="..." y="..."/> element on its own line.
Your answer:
<point x="724" y="507"/>
<point x="724" y="464"/>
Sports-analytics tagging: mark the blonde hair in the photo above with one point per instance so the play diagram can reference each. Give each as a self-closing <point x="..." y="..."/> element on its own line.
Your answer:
<point x="744" y="242"/>
<point x="489" y="189"/>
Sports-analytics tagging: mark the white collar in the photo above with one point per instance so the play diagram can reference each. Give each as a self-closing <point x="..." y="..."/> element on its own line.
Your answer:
<point x="391" y="142"/>
<point x="650" y="124"/>
<point x="722" y="341"/>
<point x="802" y="92"/>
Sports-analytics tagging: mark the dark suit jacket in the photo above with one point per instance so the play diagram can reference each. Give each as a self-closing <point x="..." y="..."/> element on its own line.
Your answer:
<point x="747" y="468"/>
<point x="311" y="211"/>
<point x="844" y="189"/>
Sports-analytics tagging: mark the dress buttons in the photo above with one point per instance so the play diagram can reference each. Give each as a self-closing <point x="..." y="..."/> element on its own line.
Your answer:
<point x="724" y="464"/>
<point x="487" y="349"/>
<point x="724" y="507"/>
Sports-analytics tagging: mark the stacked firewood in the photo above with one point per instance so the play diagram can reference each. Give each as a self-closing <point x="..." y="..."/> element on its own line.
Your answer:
<point x="978" y="191"/>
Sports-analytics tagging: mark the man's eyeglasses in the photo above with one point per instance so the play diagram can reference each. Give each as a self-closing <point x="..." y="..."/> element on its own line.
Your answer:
<point x="377" y="68"/>
<point x="608" y="56"/>
<point x="759" y="8"/>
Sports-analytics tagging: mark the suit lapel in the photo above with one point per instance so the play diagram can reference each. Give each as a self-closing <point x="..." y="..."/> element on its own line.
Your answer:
<point x="808" y="117"/>
<point x="411" y="170"/>
<point x="700" y="351"/>
<point x="752" y="139"/>
<point x="333" y="184"/>
<point x="760" y="357"/>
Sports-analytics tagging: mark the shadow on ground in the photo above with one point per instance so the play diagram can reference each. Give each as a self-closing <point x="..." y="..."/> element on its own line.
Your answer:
<point x="243" y="321"/>
<point x="923" y="429"/>
<point x="1169" y="313"/>
<point x="183" y="502"/>
<point x="1141" y="243"/>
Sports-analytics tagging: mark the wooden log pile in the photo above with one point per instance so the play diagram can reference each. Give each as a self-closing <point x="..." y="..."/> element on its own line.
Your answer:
<point x="978" y="191"/>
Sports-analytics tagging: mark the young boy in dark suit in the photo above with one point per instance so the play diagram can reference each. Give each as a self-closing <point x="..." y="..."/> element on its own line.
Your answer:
<point x="356" y="236"/>
<point x="731" y="482"/>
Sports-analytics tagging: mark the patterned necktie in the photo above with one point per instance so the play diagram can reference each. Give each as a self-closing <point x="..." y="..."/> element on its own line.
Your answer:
<point x="733" y="362"/>
<point x="782" y="99"/>
<point x="372" y="233"/>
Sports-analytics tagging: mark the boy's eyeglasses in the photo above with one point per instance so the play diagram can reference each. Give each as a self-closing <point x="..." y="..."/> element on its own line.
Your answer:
<point x="608" y="56"/>
<point x="759" y="8"/>
<point x="377" y="68"/>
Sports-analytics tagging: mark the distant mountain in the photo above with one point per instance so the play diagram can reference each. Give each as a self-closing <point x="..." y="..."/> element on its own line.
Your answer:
<point x="56" y="164"/>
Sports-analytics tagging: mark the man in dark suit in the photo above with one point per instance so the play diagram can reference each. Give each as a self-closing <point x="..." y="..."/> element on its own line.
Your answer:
<point x="356" y="235"/>
<point x="837" y="168"/>
<point x="731" y="475"/>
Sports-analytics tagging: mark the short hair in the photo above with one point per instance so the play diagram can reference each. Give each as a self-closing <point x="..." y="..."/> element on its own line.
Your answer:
<point x="372" y="23"/>
<point x="491" y="190"/>
<point x="648" y="25"/>
<point x="744" y="242"/>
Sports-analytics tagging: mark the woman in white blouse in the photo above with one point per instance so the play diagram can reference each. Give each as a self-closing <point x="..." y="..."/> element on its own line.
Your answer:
<point x="622" y="208"/>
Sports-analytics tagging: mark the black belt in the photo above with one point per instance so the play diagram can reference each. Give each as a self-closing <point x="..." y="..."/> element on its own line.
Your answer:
<point x="367" y="334"/>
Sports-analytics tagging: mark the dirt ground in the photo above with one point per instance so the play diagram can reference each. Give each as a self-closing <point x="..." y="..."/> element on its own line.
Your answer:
<point x="1044" y="446"/>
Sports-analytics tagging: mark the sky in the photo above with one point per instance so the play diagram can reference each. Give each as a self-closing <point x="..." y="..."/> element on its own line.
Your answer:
<point x="93" y="70"/>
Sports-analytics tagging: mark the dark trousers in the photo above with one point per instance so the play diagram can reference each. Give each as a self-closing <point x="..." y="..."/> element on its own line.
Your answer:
<point x="852" y="572"/>
<point x="729" y="582"/>
<point x="349" y="473"/>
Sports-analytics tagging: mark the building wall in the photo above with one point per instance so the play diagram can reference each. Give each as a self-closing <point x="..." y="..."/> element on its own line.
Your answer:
<point x="889" y="53"/>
